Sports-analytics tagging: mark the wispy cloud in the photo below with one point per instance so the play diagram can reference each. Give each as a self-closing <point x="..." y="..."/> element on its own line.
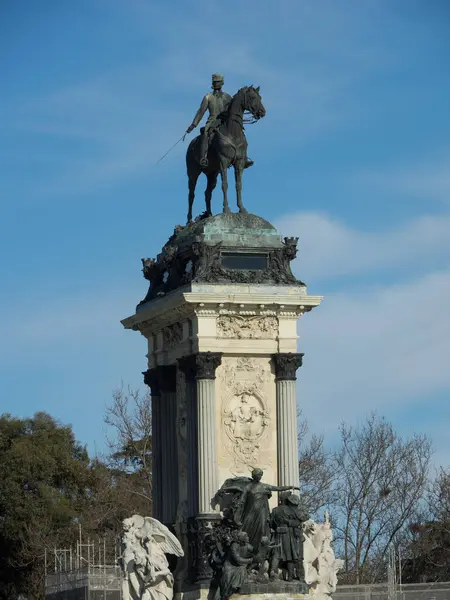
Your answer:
<point x="384" y="349"/>
<point x="374" y="346"/>
<point x="329" y="248"/>
<point x="66" y="323"/>
<point x="425" y="180"/>
<point x="125" y="117"/>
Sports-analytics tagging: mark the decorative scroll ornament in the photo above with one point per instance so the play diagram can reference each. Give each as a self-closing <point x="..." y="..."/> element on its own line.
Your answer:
<point x="245" y="327"/>
<point x="245" y="363"/>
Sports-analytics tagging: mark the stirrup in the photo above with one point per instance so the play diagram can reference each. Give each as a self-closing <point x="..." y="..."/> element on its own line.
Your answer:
<point x="203" y="162"/>
<point x="248" y="163"/>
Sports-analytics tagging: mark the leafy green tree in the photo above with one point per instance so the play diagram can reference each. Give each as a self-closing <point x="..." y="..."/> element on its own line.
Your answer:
<point x="43" y="478"/>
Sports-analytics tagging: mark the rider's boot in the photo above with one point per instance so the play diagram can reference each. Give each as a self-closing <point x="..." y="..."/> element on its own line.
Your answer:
<point x="204" y="150"/>
<point x="248" y="163"/>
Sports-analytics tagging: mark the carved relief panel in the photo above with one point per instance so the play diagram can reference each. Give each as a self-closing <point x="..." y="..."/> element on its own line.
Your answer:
<point x="246" y="415"/>
<point x="247" y="327"/>
<point x="172" y="335"/>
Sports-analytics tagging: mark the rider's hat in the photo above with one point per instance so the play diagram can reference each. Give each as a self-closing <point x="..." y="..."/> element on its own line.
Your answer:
<point x="217" y="77"/>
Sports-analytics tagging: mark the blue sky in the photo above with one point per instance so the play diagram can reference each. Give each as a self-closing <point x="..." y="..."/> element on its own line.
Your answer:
<point x="353" y="157"/>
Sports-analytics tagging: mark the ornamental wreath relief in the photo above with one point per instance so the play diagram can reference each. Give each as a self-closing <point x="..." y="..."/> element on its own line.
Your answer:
<point x="245" y="414"/>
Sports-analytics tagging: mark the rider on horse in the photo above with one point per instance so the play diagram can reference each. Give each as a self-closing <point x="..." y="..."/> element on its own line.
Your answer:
<point x="216" y="102"/>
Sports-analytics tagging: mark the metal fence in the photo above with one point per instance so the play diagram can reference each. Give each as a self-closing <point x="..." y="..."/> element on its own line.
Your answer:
<point x="84" y="584"/>
<point x="382" y="591"/>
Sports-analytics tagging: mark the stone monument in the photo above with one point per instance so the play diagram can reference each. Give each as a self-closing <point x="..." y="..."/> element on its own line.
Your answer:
<point x="220" y="321"/>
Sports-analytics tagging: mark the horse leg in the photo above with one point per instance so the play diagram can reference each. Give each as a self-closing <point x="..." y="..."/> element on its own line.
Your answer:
<point x="193" y="176"/>
<point x="212" y="182"/>
<point x="238" y="170"/>
<point x="224" y="174"/>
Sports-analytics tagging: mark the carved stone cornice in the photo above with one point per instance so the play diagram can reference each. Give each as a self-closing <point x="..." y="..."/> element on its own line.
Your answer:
<point x="182" y="305"/>
<point x="207" y="363"/>
<point x="190" y="256"/>
<point x="286" y="365"/>
<point x="161" y="379"/>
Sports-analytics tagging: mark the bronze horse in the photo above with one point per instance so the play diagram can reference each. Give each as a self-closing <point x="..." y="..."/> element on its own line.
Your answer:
<point x="228" y="147"/>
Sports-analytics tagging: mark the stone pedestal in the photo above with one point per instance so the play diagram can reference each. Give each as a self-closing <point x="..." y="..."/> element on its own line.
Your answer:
<point x="220" y="320"/>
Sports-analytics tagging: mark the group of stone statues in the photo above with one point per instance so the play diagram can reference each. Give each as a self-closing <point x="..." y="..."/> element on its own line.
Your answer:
<point x="251" y="545"/>
<point x="245" y="504"/>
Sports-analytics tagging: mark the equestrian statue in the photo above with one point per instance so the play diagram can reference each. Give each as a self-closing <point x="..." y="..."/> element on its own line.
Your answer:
<point x="221" y="143"/>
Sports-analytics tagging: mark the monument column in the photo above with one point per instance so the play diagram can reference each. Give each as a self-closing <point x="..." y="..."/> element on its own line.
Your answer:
<point x="206" y="365"/>
<point x="187" y="365"/>
<point x="169" y="462"/>
<point x="162" y="382"/>
<point x="286" y="365"/>
<point x="152" y="380"/>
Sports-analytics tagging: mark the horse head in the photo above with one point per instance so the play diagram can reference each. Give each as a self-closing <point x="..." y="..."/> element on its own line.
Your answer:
<point x="252" y="102"/>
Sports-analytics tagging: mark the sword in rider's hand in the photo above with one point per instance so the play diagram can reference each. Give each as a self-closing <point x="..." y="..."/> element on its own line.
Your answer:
<point x="170" y="149"/>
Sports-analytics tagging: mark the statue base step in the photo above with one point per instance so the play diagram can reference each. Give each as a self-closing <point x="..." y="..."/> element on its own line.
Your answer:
<point x="274" y="588"/>
<point x="205" y="594"/>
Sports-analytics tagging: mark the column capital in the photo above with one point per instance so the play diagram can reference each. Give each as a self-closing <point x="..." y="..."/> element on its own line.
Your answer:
<point x="152" y="380"/>
<point x="286" y="365"/>
<point x="161" y="379"/>
<point x="200" y="366"/>
<point x="207" y="363"/>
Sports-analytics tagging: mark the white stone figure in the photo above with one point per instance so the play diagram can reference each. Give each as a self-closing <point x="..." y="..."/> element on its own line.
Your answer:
<point x="146" y="573"/>
<point x="319" y="562"/>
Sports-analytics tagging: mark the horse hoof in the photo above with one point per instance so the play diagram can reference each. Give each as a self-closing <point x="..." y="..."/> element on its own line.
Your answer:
<point x="243" y="211"/>
<point x="226" y="210"/>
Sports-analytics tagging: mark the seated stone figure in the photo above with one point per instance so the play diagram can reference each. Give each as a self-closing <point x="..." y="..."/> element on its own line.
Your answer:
<point x="230" y="560"/>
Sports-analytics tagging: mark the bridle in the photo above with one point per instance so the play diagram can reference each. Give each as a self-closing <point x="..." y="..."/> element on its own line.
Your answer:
<point x="250" y="119"/>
